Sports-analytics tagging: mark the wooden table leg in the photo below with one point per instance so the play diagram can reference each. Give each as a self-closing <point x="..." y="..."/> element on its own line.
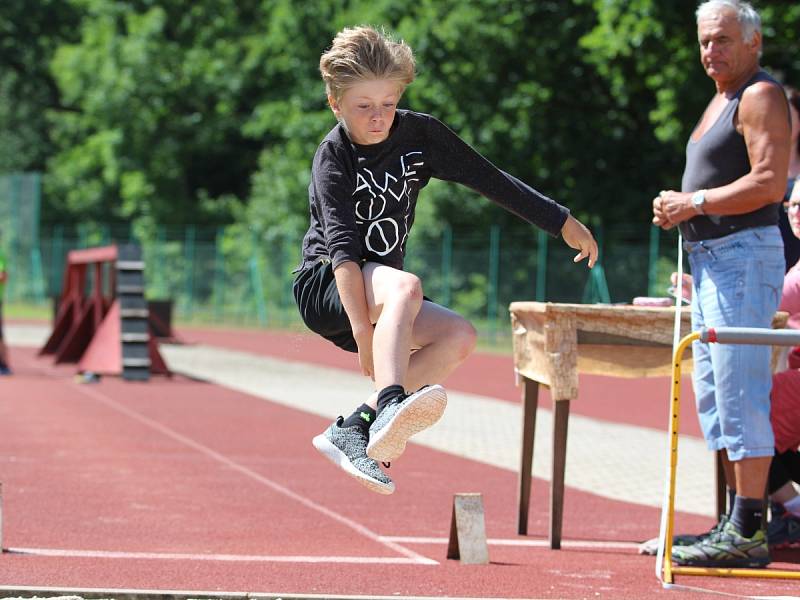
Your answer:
<point x="722" y="492"/>
<point x="530" y="402"/>
<point x="560" y="420"/>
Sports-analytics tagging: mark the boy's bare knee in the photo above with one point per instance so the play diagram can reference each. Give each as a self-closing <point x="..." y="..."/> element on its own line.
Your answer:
<point x="464" y="339"/>
<point x="408" y="289"/>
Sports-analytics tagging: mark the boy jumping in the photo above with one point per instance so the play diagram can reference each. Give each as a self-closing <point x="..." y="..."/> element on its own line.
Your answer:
<point x="351" y="287"/>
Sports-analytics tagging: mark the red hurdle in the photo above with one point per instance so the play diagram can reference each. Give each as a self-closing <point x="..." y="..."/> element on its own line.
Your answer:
<point x="106" y="330"/>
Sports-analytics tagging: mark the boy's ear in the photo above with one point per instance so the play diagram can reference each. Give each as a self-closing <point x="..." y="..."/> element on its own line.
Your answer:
<point x="334" y="105"/>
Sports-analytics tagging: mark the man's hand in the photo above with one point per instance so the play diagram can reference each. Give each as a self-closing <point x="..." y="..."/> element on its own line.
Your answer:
<point x="671" y="208"/>
<point x="686" y="286"/>
<point x="577" y="236"/>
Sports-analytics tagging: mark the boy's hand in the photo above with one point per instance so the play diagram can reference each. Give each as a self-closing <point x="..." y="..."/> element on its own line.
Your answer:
<point x="577" y="236"/>
<point x="364" y="341"/>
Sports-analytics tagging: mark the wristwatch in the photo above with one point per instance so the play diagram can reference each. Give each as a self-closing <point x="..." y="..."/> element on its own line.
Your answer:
<point x="699" y="202"/>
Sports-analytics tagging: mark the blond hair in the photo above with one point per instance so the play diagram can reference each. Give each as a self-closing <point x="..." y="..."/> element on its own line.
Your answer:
<point x="361" y="54"/>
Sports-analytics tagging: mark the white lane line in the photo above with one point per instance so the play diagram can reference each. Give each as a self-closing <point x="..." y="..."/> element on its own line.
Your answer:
<point x="521" y="543"/>
<point x="65" y="553"/>
<point x="368" y="533"/>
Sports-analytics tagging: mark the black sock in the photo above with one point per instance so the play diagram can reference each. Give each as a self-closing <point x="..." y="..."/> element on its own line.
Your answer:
<point x="746" y="515"/>
<point x="363" y="416"/>
<point x="388" y="393"/>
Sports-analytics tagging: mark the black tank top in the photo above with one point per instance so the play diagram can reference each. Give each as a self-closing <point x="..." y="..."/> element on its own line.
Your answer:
<point x="719" y="158"/>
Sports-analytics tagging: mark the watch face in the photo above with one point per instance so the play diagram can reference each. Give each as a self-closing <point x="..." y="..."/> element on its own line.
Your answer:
<point x="698" y="200"/>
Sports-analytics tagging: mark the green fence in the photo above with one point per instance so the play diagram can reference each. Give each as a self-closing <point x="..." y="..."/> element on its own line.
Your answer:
<point x="230" y="275"/>
<point x="20" y="201"/>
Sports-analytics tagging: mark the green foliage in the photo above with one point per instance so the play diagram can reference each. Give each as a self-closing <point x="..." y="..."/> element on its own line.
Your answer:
<point x="208" y="112"/>
<point x="29" y="34"/>
<point x="160" y="92"/>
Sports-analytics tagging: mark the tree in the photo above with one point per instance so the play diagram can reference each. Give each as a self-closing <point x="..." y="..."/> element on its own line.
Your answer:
<point x="209" y="111"/>
<point x="29" y="34"/>
<point x="161" y="92"/>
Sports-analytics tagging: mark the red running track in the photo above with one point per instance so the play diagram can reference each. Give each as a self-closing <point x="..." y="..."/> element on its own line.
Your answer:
<point x="181" y="485"/>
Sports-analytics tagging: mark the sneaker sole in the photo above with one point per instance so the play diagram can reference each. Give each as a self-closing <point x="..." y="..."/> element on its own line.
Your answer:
<point x="339" y="458"/>
<point x="739" y="563"/>
<point x="417" y="412"/>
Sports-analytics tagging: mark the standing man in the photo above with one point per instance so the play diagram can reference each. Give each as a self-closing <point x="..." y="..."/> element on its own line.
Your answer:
<point x="727" y="210"/>
<point x="4" y="367"/>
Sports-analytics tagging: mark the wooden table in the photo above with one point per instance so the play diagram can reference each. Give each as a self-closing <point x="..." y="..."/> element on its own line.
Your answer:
<point x="553" y="343"/>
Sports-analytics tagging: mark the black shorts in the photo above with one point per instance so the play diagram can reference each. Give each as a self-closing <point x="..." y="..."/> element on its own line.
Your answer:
<point x="1" y="321"/>
<point x="321" y="307"/>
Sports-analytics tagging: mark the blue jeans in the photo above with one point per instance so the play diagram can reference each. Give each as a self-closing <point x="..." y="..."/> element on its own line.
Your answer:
<point x="738" y="280"/>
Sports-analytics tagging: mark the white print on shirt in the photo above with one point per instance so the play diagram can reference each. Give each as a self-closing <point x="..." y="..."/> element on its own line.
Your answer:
<point x="384" y="232"/>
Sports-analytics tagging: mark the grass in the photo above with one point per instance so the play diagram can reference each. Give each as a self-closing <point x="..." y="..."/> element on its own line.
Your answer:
<point x="27" y="311"/>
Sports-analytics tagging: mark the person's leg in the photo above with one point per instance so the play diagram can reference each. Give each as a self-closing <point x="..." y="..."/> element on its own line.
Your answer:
<point x="785" y="400"/>
<point x="780" y="492"/>
<point x="702" y="370"/>
<point x="742" y="289"/>
<point x="783" y="529"/>
<point x="784" y="470"/>
<point x="746" y="377"/>
<point x="394" y="299"/>
<point x="344" y="442"/>
<point x="703" y="381"/>
<point x="791" y="462"/>
<point x="396" y="306"/>
<point x="444" y="338"/>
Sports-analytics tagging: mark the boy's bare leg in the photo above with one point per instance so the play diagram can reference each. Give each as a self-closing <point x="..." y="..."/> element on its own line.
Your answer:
<point x="395" y="304"/>
<point x="445" y="340"/>
<point x="372" y="401"/>
<point x="394" y="299"/>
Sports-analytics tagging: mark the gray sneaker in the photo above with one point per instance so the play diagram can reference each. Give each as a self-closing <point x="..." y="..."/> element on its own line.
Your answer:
<point x="650" y="547"/>
<point x="402" y="418"/>
<point x="346" y="448"/>
<point x="725" y="548"/>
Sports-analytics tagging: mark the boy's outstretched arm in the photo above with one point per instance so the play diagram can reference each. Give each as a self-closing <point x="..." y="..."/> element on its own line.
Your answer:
<point x="578" y="236"/>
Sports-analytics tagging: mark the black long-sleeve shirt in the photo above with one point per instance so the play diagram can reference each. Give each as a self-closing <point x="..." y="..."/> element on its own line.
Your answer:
<point x="363" y="197"/>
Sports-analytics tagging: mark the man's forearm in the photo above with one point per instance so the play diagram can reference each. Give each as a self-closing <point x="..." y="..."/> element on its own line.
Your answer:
<point x="745" y="195"/>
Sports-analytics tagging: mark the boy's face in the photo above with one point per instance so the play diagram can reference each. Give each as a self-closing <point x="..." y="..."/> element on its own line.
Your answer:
<point x="367" y="110"/>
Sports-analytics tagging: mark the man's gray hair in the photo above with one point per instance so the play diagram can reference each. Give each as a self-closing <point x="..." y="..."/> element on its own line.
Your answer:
<point x="748" y="18"/>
